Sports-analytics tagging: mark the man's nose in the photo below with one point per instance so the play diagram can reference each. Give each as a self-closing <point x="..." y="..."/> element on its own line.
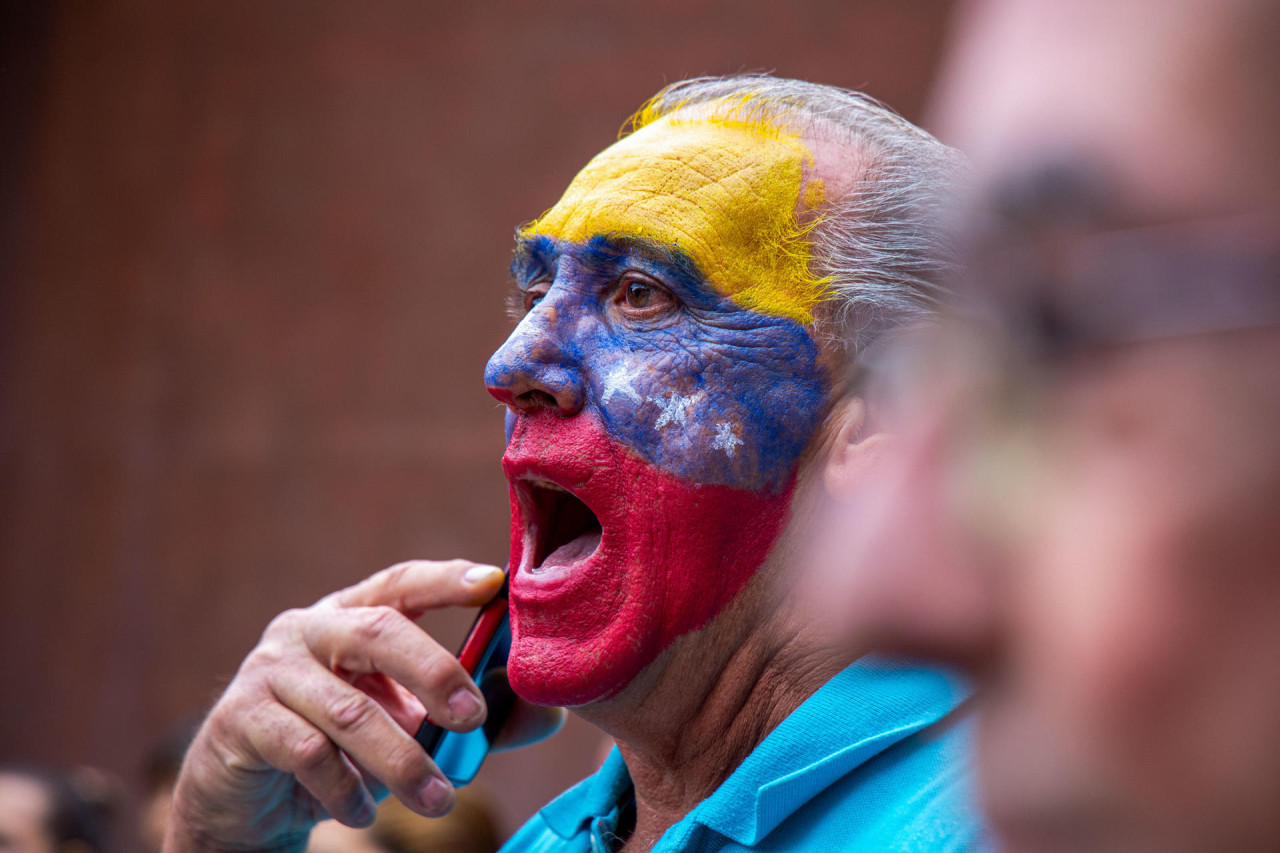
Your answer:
<point x="934" y="591"/>
<point x="539" y="365"/>
<point x="907" y="576"/>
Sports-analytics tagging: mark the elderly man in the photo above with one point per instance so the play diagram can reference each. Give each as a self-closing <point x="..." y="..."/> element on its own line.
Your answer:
<point x="1096" y="520"/>
<point x="680" y="365"/>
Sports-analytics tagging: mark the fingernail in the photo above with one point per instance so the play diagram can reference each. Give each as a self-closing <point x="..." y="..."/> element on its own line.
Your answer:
<point x="477" y="574"/>
<point x="436" y="795"/>
<point x="464" y="704"/>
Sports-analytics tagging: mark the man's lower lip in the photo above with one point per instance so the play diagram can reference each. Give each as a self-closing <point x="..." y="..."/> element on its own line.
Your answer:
<point x="546" y="570"/>
<point x="566" y="603"/>
<point x="553" y="578"/>
<point x="555" y="574"/>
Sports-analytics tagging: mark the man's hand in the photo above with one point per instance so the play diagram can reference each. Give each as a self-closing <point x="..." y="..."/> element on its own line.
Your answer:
<point x="321" y="715"/>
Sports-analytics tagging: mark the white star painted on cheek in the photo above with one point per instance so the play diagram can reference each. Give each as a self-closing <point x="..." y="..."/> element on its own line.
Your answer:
<point x="674" y="409"/>
<point x="726" y="439"/>
<point x="619" y="382"/>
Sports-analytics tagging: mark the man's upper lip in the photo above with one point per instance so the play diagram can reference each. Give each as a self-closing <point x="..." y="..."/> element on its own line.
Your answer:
<point x="568" y="453"/>
<point x="542" y="475"/>
<point x="525" y="475"/>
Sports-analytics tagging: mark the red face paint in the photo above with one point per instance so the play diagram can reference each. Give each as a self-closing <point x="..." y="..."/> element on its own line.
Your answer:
<point x="613" y="559"/>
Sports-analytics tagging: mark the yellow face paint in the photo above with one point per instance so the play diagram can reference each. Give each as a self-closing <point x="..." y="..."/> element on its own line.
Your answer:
<point x="725" y="192"/>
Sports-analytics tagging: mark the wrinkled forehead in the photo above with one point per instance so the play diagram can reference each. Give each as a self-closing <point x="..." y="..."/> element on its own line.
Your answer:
<point x="726" y="193"/>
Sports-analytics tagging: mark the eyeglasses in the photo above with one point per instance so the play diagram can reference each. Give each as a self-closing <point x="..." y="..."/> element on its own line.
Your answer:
<point x="1055" y="268"/>
<point x="1055" y="276"/>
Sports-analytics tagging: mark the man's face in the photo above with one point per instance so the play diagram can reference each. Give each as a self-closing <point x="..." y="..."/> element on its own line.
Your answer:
<point x="666" y="383"/>
<point x="1095" y="535"/>
<point x="1134" y="702"/>
<point x="1097" y="545"/>
<point x="1122" y="536"/>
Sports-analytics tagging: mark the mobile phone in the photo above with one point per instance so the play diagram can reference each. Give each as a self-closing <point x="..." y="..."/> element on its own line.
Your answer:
<point x="484" y="656"/>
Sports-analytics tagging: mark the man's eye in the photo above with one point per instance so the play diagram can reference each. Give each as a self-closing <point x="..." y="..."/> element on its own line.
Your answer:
<point x="638" y="294"/>
<point x="533" y="295"/>
<point x="640" y="298"/>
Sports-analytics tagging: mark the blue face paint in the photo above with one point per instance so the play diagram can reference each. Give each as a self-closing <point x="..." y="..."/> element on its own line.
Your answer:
<point x="710" y="392"/>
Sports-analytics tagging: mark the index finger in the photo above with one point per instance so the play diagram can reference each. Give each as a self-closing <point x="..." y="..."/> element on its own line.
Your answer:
<point x="416" y="586"/>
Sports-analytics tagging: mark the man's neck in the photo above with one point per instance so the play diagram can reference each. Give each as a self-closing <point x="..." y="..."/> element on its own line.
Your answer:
<point x="687" y="722"/>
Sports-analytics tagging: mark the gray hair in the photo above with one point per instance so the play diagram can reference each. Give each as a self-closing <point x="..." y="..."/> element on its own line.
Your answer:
<point x="884" y="247"/>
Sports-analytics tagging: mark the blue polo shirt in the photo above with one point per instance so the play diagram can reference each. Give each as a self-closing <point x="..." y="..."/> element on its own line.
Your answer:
<point x="859" y="766"/>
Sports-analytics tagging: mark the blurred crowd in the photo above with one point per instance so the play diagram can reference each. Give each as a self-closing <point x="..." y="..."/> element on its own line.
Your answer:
<point x="83" y="810"/>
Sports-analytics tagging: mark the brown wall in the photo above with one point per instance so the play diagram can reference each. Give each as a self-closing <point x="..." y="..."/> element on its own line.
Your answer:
<point x="261" y="261"/>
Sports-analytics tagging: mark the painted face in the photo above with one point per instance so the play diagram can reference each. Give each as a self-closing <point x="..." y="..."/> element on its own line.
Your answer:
<point x="665" y="385"/>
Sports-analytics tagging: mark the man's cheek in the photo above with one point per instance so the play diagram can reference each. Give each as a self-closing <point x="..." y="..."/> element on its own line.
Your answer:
<point x="731" y="416"/>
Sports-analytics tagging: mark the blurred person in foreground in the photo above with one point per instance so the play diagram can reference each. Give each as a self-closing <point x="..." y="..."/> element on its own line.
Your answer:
<point x="1086" y="512"/>
<point x="692" y="311"/>
<point x="45" y="811"/>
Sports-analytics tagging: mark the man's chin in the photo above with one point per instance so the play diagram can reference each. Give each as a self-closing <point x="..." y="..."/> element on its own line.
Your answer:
<point x="556" y="671"/>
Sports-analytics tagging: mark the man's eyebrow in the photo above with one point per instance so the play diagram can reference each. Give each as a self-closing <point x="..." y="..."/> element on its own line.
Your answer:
<point x="534" y="251"/>
<point x="531" y="250"/>
<point x="613" y="246"/>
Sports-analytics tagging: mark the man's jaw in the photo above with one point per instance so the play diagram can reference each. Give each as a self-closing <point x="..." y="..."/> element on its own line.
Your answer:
<point x="569" y="517"/>
<point x="569" y="534"/>
<point x="613" y="558"/>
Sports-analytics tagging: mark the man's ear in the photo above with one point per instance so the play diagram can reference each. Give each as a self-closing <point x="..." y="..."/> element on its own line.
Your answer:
<point x="852" y="449"/>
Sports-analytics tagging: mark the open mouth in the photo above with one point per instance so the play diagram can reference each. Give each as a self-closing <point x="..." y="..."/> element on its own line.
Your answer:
<point x="561" y="530"/>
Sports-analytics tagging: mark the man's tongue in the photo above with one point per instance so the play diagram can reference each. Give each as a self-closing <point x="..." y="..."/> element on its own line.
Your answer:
<point x="572" y="551"/>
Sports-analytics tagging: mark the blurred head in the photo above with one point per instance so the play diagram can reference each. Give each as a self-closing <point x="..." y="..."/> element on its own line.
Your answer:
<point x="26" y="815"/>
<point x="1087" y="512"/>
<point x="677" y="355"/>
<point x="42" y="811"/>
<point x="160" y="772"/>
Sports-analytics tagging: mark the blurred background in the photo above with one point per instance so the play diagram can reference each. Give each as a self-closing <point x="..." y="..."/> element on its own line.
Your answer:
<point x="254" y="257"/>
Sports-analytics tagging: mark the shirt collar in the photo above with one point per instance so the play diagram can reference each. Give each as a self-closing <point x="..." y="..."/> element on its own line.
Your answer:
<point x="597" y="796"/>
<point x="858" y="714"/>
<point x="864" y="710"/>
